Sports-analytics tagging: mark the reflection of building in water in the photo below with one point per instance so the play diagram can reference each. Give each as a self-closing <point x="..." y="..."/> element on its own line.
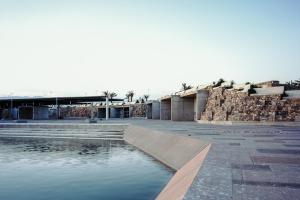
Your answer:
<point x="82" y="147"/>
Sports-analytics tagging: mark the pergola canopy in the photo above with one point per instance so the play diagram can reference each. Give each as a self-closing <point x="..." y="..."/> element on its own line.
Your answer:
<point x="45" y="101"/>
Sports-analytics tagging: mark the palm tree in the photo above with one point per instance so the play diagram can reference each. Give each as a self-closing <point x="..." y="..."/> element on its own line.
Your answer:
<point x="219" y="83"/>
<point x="105" y="93"/>
<point x="112" y="95"/>
<point x="130" y="94"/>
<point x="146" y="96"/>
<point x="127" y="96"/>
<point x="185" y="86"/>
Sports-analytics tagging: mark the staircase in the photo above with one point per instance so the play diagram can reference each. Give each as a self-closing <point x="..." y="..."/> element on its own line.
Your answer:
<point x="105" y="132"/>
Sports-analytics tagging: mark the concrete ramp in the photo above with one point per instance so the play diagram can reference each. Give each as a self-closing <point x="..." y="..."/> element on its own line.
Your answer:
<point x="183" y="154"/>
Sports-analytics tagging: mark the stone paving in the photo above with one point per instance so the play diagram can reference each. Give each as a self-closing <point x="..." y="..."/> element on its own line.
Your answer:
<point x="244" y="162"/>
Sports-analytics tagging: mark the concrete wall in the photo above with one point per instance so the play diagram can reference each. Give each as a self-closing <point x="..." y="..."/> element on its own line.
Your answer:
<point x="188" y="108"/>
<point x="292" y="94"/>
<point x="165" y="109"/>
<point x="155" y="110"/>
<point x="41" y="112"/>
<point x="268" y="91"/>
<point x="149" y="111"/>
<point x="182" y="108"/>
<point x="200" y="103"/>
<point x="130" y="111"/>
<point x="13" y="113"/>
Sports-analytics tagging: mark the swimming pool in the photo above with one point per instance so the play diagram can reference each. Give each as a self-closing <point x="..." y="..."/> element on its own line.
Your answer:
<point x="77" y="169"/>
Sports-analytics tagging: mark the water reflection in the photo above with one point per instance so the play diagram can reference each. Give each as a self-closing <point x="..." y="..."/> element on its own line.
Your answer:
<point x="66" y="148"/>
<point x="45" y="169"/>
<point x="84" y="146"/>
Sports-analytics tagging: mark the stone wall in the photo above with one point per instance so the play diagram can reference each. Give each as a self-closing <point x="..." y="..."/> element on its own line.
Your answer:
<point x="138" y="110"/>
<point x="233" y="105"/>
<point x="77" y="112"/>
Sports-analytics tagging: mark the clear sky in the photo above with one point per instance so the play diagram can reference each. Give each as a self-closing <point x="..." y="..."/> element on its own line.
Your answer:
<point x="71" y="47"/>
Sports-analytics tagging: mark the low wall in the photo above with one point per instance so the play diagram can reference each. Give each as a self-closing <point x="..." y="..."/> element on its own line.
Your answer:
<point x="183" y="154"/>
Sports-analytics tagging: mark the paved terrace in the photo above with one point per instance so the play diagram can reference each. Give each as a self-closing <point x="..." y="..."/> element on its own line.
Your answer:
<point x="244" y="162"/>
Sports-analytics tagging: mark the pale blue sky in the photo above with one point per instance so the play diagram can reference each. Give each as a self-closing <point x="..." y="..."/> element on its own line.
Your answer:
<point x="77" y="47"/>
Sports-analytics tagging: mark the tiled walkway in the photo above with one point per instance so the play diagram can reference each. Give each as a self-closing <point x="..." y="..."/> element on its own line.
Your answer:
<point x="244" y="162"/>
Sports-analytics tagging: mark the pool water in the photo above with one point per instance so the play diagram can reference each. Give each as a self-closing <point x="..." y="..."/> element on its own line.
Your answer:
<point x="73" y="169"/>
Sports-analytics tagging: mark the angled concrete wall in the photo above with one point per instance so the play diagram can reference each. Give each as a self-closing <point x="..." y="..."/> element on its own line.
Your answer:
<point x="182" y="108"/>
<point x="171" y="149"/>
<point x="165" y="109"/>
<point x="183" y="154"/>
